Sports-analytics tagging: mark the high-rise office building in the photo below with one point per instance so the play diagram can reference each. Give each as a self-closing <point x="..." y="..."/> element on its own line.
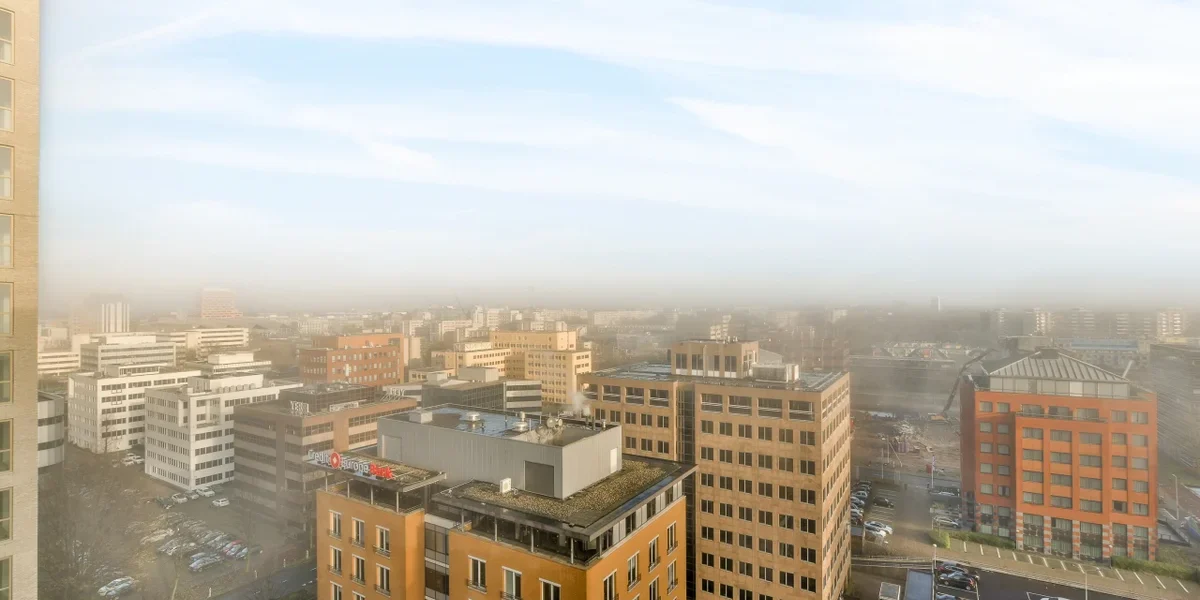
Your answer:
<point x="218" y="303"/>
<point x="107" y="408"/>
<point x="19" y="135"/>
<point x="1060" y="456"/>
<point x="104" y="313"/>
<point x="552" y="357"/>
<point x="1175" y="373"/>
<point x="465" y="503"/>
<point x="773" y="450"/>
<point x="126" y="349"/>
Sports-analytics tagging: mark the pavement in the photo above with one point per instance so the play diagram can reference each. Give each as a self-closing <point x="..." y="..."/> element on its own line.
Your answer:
<point x="277" y="584"/>
<point x="911" y="521"/>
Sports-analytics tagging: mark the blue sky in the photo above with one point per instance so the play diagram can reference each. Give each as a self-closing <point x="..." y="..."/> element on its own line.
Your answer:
<point x="309" y="153"/>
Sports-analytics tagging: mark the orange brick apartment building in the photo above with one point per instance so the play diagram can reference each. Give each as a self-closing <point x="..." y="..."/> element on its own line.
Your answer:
<point x="1061" y="456"/>
<point x="370" y="359"/>
<point x="768" y="515"/>
<point x="490" y="505"/>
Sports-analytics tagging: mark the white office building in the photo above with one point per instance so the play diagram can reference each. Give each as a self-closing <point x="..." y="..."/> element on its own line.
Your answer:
<point x="125" y="349"/>
<point x="189" y="427"/>
<point x="107" y="409"/>
<point x="228" y="363"/>
<point x="52" y="430"/>
<point x="55" y="363"/>
<point x="202" y="341"/>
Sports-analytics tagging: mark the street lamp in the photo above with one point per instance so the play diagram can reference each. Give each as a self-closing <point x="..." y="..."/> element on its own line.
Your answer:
<point x="1176" y="478"/>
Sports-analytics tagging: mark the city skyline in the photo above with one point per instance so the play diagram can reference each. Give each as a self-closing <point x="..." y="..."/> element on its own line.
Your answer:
<point x="832" y="156"/>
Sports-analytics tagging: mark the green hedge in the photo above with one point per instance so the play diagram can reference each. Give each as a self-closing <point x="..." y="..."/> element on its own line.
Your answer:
<point x="985" y="539"/>
<point x="1178" y="571"/>
<point x="940" y="537"/>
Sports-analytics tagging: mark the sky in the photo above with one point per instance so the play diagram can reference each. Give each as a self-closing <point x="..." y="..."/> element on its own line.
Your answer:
<point x="601" y="152"/>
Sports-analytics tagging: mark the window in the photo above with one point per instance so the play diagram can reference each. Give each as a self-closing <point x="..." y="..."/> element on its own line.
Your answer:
<point x="336" y="592"/>
<point x="745" y="486"/>
<point x="985" y="448"/>
<point x="512" y="583"/>
<point x="766" y="546"/>
<point x="766" y="573"/>
<point x="5" y="515"/>
<point x="631" y="570"/>
<point x="707" y="533"/>
<point x="1057" y="479"/>
<point x="6" y="104"/>
<point x="1003" y="470"/>
<point x="985" y="489"/>
<point x="726" y="429"/>
<point x="1138" y="509"/>
<point x="1089" y="438"/>
<point x="765" y="433"/>
<point x="383" y="541"/>
<point x="985" y="467"/>
<point x="479" y="576"/>
<point x="1118" y="439"/>
<point x="6" y="297"/>
<point x="335" y="560"/>
<point x="1031" y="455"/>
<point x="1140" y="418"/>
<point x="765" y="461"/>
<point x="985" y="427"/>
<point x="1060" y="501"/>
<point x="1090" y="483"/>
<point x="6" y="47"/>
<point x="1141" y="486"/>
<point x="1089" y="460"/>
<point x="1060" y="436"/>
<point x="1032" y="433"/>
<point x="706" y="453"/>
<point x="1118" y="416"/>
<point x="1002" y="427"/>
<point x="1139" y="440"/>
<point x="1003" y="449"/>
<point x="671" y="539"/>
<point x="726" y="564"/>
<point x="6" y="172"/>
<point x="726" y="456"/>
<point x="551" y="591"/>
<point x="787" y="436"/>
<point x="1002" y="407"/>
<point x="706" y="426"/>
<point x="1032" y="476"/>
<point x="808" y="555"/>
<point x="1141" y="463"/>
<point x="6" y="241"/>
<point x="745" y="431"/>
<point x="985" y="407"/>
<point x="1090" y="506"/>
<point x="1032" y="498"/>
<point x="708" y="586"/>
<point x="787" y="579"/>
<point x="746" y="459"/>
<point x="787" y="464"/>
<point x="1062" y="458"/>
<point x="706" y="506"/>
<point x="1118" y="461"/>
<point x="359" y="535"/>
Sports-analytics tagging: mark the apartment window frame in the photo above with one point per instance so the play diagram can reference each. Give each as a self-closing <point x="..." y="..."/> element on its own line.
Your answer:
<point x="7" y="176"/>
<point x="6" y="514"/>
<point x="6" y="307"/>
<point x="512" y="583"/>
<point x="8" y="45"/>
<point x="6" y="377"/>
<point x="383" y="579"/>
<point x="7" y="113"/>
<point x="477" y="574"/>
<point x="6" y="445"/>
<point x="6" y="240"/>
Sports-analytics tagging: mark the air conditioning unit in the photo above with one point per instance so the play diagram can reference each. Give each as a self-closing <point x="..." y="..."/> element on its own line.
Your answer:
<point x="506" y="485"/>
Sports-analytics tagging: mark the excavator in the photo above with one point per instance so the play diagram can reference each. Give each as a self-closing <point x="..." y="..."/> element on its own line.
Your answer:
<point x="978" y="356"/>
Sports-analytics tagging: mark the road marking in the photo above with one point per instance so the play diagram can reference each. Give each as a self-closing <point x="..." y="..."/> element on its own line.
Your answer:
<point x="1160" y="583"/>
<point x="1079" y="566"/>
<point x="1030" y="557"/>
<point x="1118" y="572"/>
<point x="1139" y="577"/>
<point x="964" y="546"/>
<point x="1100" y="572"/>
<point x="1064" y="565"/>
<point x="997" y="552"/>
<point x="1185" y="590"/>
<point x="1045" y="563"/>
<point x="1014" y="555"/>
<point x="981" y="549"/>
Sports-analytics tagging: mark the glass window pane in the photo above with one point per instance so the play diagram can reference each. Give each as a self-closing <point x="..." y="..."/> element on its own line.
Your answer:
<point x="6" y="171"/>
<point x="6" y="240"/>
<point x="6" y="36"/>
<point x="5" y="308"/>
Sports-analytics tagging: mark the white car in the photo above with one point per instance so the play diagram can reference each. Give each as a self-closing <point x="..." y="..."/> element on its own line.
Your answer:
<point x="880" y="526"/>
<point x="946" y="523"/>
<point x="207" y="493"/>
<point x="180" y="498"/>
<point x="219" y="502"/>
<point x="117" y="587"/>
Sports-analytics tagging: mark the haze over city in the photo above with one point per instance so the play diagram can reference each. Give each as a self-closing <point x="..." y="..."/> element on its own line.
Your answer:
<point x="990" y="152"/>
<point x="599" y="300"/>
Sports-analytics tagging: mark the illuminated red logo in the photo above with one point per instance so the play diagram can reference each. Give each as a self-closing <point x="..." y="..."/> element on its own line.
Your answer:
<point x="335" y="460"/>
<point x="381" y="471"/>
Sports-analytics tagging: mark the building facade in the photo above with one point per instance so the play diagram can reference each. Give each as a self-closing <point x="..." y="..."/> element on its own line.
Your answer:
<point x="272" y="439"/>
<point x="201" y="341"/>
<point x="52" y="430"/>
<point x="372" y="359"/>
<point x="473" y="354"/>
<point x="218" y="303"/>
<point x="1175" y="374"/>
<point x="552" y="357"/>
<point x="107" y="409"/>
<point x="125" y="349"/>
<point x="768" y="512"/>
<point x="190" y="429"/>
<point x="1062" y="457"/>
<point x="19" y="151"/>
<point x="100" y="314"/>
<point x="55" y="363"/>
<point x="597" y="524"/>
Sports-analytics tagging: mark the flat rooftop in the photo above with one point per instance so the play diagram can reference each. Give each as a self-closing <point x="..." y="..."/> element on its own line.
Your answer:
<point x="589" y="511"/>
<point x="284" y="407"/>
<point x="808" y="382"/>
<point x="371" y="469"/>
<point x="326" y="388"/>
<point x="502" y="424"/>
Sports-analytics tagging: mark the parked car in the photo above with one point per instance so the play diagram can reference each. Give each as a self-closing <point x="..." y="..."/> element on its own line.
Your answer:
<point x="117" y="587"/>
<point x="860" y="494"/>
<point x="944" y="596"/>
<point x="881" y="501"/>
<point x="165" y="503"/>
<point x="179" y="498"/>
<point x="879" y="525"/>
<point x="945" y="523"/>
<point x="204" y="563"/>
<point x="158" y="536"/>
<point x="957" y="580"/>
<point x="219" y="502"/>
<point x="192" y="495"/>
<point x="877" y="537"/>
<point x="207" y="493"/>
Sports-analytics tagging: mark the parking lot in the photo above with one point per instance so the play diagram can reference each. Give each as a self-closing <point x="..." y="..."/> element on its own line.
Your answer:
<point x="137" y="528"/>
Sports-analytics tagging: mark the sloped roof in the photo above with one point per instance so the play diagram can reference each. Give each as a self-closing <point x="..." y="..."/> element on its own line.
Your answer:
<point x="1050" y="364"/>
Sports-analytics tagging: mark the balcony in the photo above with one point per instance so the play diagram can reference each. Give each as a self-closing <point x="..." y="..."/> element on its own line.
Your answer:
<point x="383" y="551"/>
<point x="335" y="570"/>
<point x="383" y="591"/>
<point x="335" y="533"/>
<point x="672" y="585"/>
<point x="478" y="586"/>
<point x="357" y="542"/>
<point x="672" y="547"/>
<point x="633" y="582"/>
<point x="358" y="580"/>
<point x="510" y="595"/>
<point x="653" y="564"/>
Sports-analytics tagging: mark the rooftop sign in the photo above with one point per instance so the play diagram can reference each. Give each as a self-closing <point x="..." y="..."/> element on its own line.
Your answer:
<point x="358" y="466"/>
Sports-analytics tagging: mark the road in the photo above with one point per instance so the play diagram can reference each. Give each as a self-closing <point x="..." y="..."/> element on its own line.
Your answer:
<point x="280" y="583"/>
<point x="914" y="480"/>
<point x="995" y="586"/>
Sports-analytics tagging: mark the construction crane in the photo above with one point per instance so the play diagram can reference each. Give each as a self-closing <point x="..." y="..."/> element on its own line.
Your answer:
<point x="954" y="390"/>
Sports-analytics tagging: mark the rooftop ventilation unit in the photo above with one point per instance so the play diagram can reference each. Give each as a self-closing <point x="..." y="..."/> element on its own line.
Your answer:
<point x="506" y="485"/>
<point x="472" y="417"/>
<point x="521" y="426"/>
<point x="420" y="416"/>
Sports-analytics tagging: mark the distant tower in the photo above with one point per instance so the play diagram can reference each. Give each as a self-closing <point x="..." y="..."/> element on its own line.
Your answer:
<point x="100" y="314"/>
<point x="218" y="303"/>
<point x="935" y="304"/>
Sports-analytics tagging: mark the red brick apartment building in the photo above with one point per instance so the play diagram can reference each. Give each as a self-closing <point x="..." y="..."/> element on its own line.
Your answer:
<point x="1061" y="456"/>
<point x="371" y="359"/>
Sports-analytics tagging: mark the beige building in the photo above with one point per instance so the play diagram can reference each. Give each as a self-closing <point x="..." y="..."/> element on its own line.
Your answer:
<point x="218" y="303"/>
<point x="772" y="447"/>
<point x="534" y="340"/>
<point x="552" y="357"/>
<point x="473" y="354"/>
<point x="19" y="90"/>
